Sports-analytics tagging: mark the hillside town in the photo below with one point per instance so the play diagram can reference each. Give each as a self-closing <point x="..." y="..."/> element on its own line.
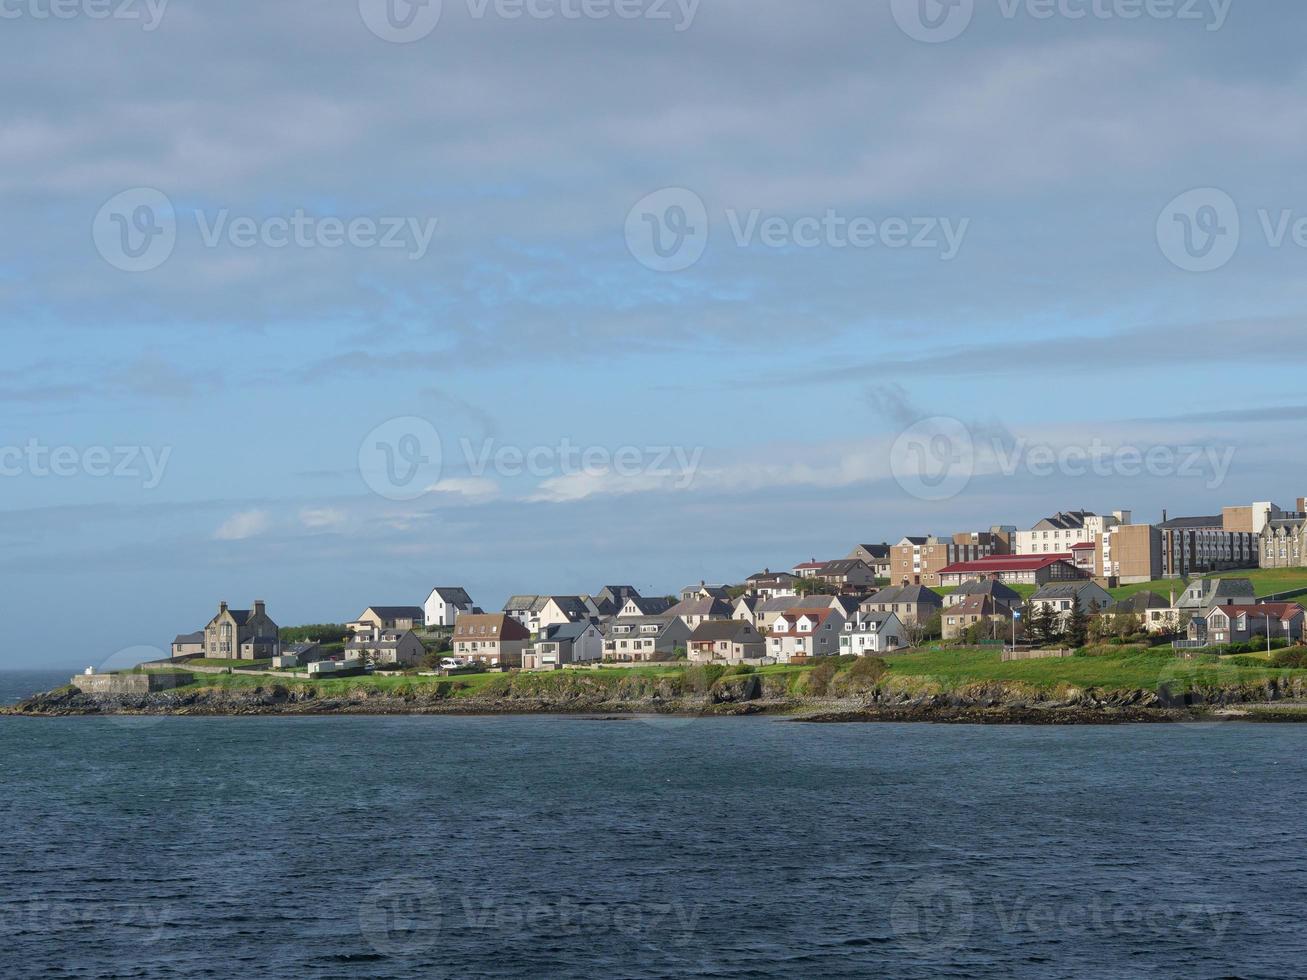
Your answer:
<point x="1073" y="578"/>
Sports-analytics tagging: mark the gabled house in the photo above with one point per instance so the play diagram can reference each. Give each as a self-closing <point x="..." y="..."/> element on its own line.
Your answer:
<point x="976" y="610"/>
<point x="523" y="607"/>
<point x="1222" y="625"/>
<point x="645" y="638"/>
<point x="729" y="641"/>
<point x="444" y="605"/>
<point x="870" y="634"/>
<point x="701" y="610"/>
<point x="767" y="611"/>
<point x="609" y="600"/>
<point x="848" y="574"/>
<point x="1202" y="594"/>
<point x="770" y="585"/>
<point x="808" y="569"/>
<point x="913" y="604"/>
<point x="555" y="610"/>
<point x="805" y="633"/>
<point x="569" y="643"/>
<point x="1155" y="613"/>
<point x="705" y="591"/>
<point x="877" y="556"/>
<point x="1001" y="594"/>
<point x="386" y="646"/>
<point x="653" y="606"/>
<point x="389" y="618"/>
<point x="495" y="640"/>
<point x="1064" y="597"/>
<point x="744" y="609"/>
<point x="241" y="634"/>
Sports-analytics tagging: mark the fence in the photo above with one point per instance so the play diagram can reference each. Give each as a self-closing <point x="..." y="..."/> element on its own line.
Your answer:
<point x="1010" y="655"/>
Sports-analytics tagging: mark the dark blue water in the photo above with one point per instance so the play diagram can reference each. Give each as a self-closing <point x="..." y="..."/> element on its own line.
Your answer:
<point x="416" y="847"/>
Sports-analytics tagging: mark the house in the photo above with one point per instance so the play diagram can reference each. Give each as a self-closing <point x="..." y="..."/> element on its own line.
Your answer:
<point x="386" y="647"/>
<point x="700" y="610"/>
<point x="730" y="641"/>
<point x="233" y="632"/>
<point x="1019" y="569"/>
<point x="188" y="645"/>
<point x="875" y="555"/>
<point x="397" y="618"/>
<point x="767" y="611"/>
<point x="847" y="573"/>
<point x="444" y="605"/>
<point x="1082" y="557"/>
<point x="976" y="610"/>
<point x="913" y="604"/>
<point x="1001" y="594"/>
<point x="555" y="610"/>
<point x="1155" y="613"/>
<point x="1202" y="594"/>
<point x="808" y="569"/>
<point x="872" y="633"/>
<point x="296" y="654"/>
<point x="609" y="600"/>
<point x="568" y="643"/>
<point x="745" y="609"/>
<point x="1240" y="623"/>
<point x="1283" y="543"/>
<point x="638" y="606"/>
<point x="801" y="634"/>
<point x="522" y="607"/>
<point x="1064" y="597"/>
<point x="705" y="591"/>
<point x="770" y="585"/>
<point x="645" y="638"/>
<point x="494" y="639"/>
<point x="1057" y="534"/>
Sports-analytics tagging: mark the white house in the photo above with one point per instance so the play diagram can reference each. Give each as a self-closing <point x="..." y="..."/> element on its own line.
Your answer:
<point x="444" y="605"/>
<point x="569" y="643"/>
<point x="805" y="633"/>
<point x="868" y="634"/>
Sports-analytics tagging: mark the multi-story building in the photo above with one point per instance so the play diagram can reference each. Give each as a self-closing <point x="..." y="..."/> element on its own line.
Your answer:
<point x="1284" y="543"/>
<point x="495" y="640"/>
<point x="1061" y="532"/>
<point x="1021" y="569"/>
<point x="1175" y="548"/>
<point x="1129" y="553"/>
<point x="917" y="560"/>
<point x="241" y="634"/>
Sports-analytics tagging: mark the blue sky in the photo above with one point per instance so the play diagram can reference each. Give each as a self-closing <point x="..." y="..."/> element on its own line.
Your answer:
<point x="742" y="411"/>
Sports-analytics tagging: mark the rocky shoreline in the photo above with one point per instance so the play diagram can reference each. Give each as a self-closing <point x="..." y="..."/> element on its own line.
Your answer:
<point x="986" y="705"/>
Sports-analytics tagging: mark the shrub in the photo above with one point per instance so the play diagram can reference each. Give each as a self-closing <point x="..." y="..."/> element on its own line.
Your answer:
<point x="819" y="677"/>
<point x="742" y="669"/>
<point x="868" y="670"/>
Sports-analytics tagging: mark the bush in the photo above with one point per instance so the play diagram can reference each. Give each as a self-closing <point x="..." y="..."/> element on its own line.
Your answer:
<point x="819" y="677"/>
<point x="868" y="670"/>
<point x="740" y="670"/>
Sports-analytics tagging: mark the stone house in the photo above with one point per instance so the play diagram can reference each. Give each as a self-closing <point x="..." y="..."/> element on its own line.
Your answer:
<point x="241" y="634"/>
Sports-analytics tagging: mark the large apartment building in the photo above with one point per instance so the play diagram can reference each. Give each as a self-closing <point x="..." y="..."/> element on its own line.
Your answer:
<point x="1062" y="532"/>
<point x="1175" y="548"/>
<point x="919" y="560"/>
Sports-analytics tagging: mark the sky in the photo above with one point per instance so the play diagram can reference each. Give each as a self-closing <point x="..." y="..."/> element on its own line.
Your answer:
<point x="329" y="303"/>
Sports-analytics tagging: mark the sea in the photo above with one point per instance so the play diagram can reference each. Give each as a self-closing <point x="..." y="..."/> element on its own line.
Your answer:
<point x="542" y="846"/>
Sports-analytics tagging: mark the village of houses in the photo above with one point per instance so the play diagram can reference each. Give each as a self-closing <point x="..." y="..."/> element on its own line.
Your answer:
<point x="1021" y="587"/>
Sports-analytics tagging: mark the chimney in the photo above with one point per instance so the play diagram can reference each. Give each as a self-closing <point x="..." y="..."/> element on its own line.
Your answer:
<point x="1164" y="516"/>
<point x="1302" y="505"/>
<point x="259" y="606"/>
<point x="222" y="606"/>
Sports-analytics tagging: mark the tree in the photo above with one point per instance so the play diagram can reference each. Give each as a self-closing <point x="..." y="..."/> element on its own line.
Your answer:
<point x="1077" y="626"/>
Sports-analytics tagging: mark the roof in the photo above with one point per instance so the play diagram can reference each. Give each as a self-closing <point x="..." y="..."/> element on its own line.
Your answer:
<point x="785" y="622"/>
<point x="1084" y="546"/>
<point x="650" y="606"/>
<point x="990" y="587"/>
<point x="779" y="604"/>
<point x="1179" y="523"/>
<point x="877" y="618"/>
<point x="242" y="616"/>
<point x="1142" y="601"/>
<point x="1073" y="519"/>
<point x="196" y="637"/>
<point x="700" y="607"/>
<point x="1006" y="563"/>
<point x="842" y="566"/>
<point x="489" y="625"/>
<point x="914" y="539"/>
<point x="1278" y="610"/>
<point x="520" y="602"/>
<point x="907" y="593"/>
<point x="397" y="612"/>
<point x="978" y="605"/>
<point x="723" y="629"/>
<point x="768" y="576"/>
<point x="566" y="631"/>
<point x="570" y="606"/>
<point x="875" y="550"/>
<point x="810" y="564"/>
<point x="453" y="594"/>
<point x="662" y="622"/>
<point x="1063" y="590"/>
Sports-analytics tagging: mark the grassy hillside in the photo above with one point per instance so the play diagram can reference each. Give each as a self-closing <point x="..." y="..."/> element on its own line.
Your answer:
<point x="1267" y="581"/>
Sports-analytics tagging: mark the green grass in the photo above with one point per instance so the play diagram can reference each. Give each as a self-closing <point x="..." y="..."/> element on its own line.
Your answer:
<point x="1266" y="581"/>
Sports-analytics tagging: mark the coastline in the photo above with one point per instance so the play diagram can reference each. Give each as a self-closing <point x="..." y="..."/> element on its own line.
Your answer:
<point x="990" y="705"/>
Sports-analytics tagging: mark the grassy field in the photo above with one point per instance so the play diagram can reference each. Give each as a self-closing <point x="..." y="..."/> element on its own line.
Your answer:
<point x="1267" y="581"/>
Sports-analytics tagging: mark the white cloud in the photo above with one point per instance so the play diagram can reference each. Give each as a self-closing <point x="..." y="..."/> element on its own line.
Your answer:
<point x="246" y="524"/>
<point x="317" y="518"/>
<point x="471" y="488"/>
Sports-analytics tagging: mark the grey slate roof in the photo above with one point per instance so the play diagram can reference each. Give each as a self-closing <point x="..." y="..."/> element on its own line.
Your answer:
<point x="907" y="593"/>
<point x="1192" y="523"/>
<point x="734" y="630"/>
<point x="398" y="612"/>
<point x="989" y="587"/>
<point x="197" y="637"/>
<point x="454" y="595"/>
